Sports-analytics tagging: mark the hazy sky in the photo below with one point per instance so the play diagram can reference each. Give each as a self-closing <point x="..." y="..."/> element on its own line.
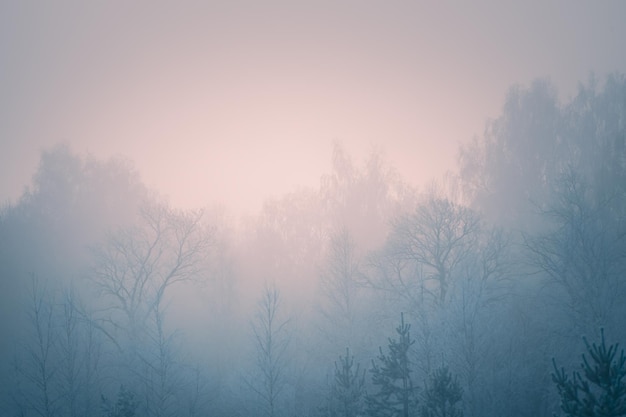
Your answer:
<point x="234" y="101"/>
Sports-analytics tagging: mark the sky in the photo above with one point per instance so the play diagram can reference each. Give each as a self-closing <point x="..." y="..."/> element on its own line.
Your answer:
<point x="232" y="102"/>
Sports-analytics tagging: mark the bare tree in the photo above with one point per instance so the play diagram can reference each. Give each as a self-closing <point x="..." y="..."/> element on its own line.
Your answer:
<point x="449" y="269"/>
<point x="68" y="344"/>
<point x="340" y="281"/>
<point x="134" y="270"/>
<point x="57" y="367"/>
<point x="199" y="393"/>
<point x="582" y="250"/>
<point x="136" y="266"/>
<point x="159" y="371"/>
<point x="79" y="357"/>
<point x="272" y="341"/>
<point x="37" y="390"/>
<point x="425" y="248"/>
<point x="482" y="285"/>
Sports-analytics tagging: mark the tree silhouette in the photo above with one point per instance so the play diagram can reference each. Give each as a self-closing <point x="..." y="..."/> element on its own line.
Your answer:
<point x="272" y="341"/>
<point x="348" y="388"/>
<point x="600" y="389"/>
<point x="396" y="394"/>
<point x="125" y="406"/>
<point x="441" y="395"/>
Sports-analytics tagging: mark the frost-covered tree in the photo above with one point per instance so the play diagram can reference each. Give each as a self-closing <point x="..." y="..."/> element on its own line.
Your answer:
<point x="396" y="395"/>
<point x="600" y="389"/>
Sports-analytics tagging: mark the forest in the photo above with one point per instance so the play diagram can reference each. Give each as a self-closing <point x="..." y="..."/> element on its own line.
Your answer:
<point x="499" y="290"/>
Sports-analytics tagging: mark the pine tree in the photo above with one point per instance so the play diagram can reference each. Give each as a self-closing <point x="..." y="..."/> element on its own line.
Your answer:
<point x="441" y="395"/>
<point x="600" y="390"/>
<point x="125" y="406"/>
<point x="348" y="389"/>
<point x="396" y="395"/>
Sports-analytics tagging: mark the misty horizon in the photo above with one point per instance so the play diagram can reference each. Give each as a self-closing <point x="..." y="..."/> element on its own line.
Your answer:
<point x="313" y="209"/>
<point x="218" y="103"/>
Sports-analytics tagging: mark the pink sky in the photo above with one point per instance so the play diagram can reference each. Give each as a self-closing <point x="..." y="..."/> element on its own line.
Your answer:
<point x="232" y="102"/>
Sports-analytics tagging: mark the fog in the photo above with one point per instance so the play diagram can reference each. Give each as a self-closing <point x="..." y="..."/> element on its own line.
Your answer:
<point x="312" y="209"/>
<point x="201" y="95"/>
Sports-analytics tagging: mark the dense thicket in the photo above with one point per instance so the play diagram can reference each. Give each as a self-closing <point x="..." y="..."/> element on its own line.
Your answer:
<point x="115" y="303"/>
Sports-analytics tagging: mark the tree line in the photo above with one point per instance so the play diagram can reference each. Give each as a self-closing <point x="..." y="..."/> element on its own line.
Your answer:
<point x="117" y="304"/>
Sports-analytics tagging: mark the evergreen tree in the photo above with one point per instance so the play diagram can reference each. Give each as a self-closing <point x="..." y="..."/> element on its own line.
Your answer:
<point x="125" y="406"/>
<point x="396" y="396"/>
<point x="441" y="395"/>
<point x="348" y="389"/>
<point x="600" y="390"/>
